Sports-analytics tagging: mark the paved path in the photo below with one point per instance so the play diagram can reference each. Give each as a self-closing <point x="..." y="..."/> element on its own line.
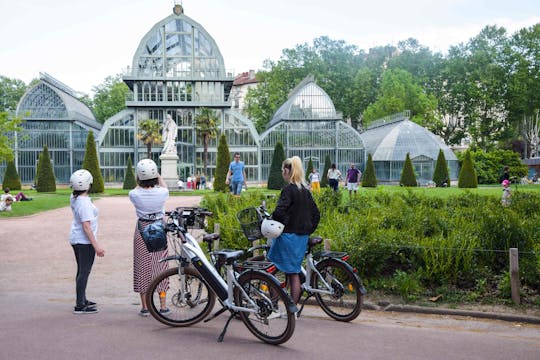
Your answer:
<point x="37" y="294"/>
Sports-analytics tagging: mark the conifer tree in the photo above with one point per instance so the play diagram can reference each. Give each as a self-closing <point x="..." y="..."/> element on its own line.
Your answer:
<point x="275" y="179"/>
<point x="467" y="174"/>
<point x="11" y="177"/>
<point x="407" y="174"/>
<point x="222" y="166"/>
<point x="309" y="169"/>
<point x="327" y="164"/>
<point x="368" y="178"/>
<point x="441" y="175"/>
<point x="91" y="163"/>
<point x="129" y="176"/>
<point x="46" y="182"/>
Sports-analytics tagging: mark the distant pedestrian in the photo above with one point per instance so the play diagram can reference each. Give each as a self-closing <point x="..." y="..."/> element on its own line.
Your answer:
<point x="315" y="180"/>
<point x="236" y="176"/>
<point x="507" y="194"/>
<point x="352" y="179"/>
<point x="334" y="175"/>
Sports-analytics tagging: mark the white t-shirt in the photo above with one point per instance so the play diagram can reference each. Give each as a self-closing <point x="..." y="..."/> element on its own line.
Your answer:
<point x="314" y="177"/>
<point x="334" y="174"/>
<point x="149" y="201"/>
<point x="83" y="210"/>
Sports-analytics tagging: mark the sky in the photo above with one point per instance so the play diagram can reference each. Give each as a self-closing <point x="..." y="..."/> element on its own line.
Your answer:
<point x="82" y="42"/>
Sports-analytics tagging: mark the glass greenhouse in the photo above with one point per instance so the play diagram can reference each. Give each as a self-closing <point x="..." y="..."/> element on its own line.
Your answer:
<point x="388" y="140"/>
<point x="53" y="116"/>
<point x="308" y="126"/>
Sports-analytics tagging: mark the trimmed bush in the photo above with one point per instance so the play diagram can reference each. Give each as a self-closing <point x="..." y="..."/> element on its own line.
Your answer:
<point x="129" y="176"/>
<point x="407" y="174"/>
<point x="369" y="179"/>
<point x="275" y="178"/>
<point x="11" y="177"/>
<point x="222" y="167"/>
<point x="441" y="175"/>
<point x="46" y="182"/>
<point x="467" y="174"/>
<point x="91" y="163"/>
<point x="327" y="164"/>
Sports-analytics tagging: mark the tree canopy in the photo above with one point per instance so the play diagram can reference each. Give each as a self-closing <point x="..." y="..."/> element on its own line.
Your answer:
<point x="109" y="97"/>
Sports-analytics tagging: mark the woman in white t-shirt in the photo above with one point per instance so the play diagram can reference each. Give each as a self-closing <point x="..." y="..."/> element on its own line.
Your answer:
<point x="334" y="175"/>
<point x="83" y="237"/>
<point x="149" y="200"/>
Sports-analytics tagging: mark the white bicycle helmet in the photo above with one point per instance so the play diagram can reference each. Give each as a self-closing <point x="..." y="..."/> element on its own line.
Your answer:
<point x="147" y="169"/>
<point x="271" y="229"/>
<point x="81" y="180"/>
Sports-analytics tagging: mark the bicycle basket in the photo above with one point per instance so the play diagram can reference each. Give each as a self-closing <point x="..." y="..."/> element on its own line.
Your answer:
<point x="250" y="220"/>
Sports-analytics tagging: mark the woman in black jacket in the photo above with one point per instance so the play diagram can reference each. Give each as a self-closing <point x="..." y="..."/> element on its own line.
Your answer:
<point x="297" y="211"/>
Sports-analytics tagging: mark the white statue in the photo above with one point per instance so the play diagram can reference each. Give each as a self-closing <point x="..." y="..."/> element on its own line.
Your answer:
<point x="170" y="131"/>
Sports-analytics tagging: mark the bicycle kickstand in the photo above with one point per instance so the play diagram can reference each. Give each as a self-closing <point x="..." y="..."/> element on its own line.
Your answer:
<point x="219" y="312"/>
<point x="303" y="303"/>
<point x="222" y="335"/>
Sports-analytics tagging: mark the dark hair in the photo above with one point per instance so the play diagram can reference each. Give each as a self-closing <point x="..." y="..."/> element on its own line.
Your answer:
<point x="148" y="182"/>
<point x="76" y="193"/>
<point x="6" y="190"/>
<point x="237" y="153"/>
<point x="333" y="166"/>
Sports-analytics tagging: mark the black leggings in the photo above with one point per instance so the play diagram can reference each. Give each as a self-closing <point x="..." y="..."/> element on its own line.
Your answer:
<point x="333" y="184"/>
<point x="84" y="254"/>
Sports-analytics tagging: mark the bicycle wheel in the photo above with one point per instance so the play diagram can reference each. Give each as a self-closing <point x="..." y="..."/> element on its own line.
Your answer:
<point x="345" y="301"/>
<point x="274" y="321"/>
<point x="198" y="299"/>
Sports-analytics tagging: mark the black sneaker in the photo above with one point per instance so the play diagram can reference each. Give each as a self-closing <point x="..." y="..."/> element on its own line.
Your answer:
<point x="90" y="303"/>
<point x="164" y="311"/>
<point x="144" y="313"/>
<point x="85" y="310"/>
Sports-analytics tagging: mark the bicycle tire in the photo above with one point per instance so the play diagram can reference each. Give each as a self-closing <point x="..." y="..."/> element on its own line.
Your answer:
<point x="346" y="303"/>
<point x="198" y="303"/>
<point x="274" y="322"/>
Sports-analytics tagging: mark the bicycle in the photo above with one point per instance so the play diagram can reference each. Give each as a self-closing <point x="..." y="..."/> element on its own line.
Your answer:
<point x="326" y="275"/>
<point x="190" y="289"/>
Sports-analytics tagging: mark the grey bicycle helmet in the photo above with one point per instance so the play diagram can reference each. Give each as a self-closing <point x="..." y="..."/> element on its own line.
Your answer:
<point x="271" y="229"/>
<point x="81" y="180"/>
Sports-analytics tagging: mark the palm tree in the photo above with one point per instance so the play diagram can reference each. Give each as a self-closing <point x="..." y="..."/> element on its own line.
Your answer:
<point x="206" y="125"/>
<point x="149" y="133"/>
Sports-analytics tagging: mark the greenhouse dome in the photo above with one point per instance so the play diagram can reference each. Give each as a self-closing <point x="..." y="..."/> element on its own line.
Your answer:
<point x="308" y="126"/>
<point x="388" y="140"/>
<point x="53" y="116"/>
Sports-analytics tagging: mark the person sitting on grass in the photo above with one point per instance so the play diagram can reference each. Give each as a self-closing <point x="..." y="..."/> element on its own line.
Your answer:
<point x="19" y="197"/>
<point x="5" y="203"/>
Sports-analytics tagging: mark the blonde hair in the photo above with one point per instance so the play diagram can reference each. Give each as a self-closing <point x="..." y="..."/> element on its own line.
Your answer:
<point x="294" y="164"/>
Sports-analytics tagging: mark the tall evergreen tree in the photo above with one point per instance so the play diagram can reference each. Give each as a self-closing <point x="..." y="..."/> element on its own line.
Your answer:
<point x="327" y="164"/>
<point x="467" y="174"/>
<point x="368" y="178"/>
<point x="129" y="176"/>
<point x="11" y="177"/>
<point x="91" y="163"/>
<point x="275" y="178"/>
<point x="441" y="175"/>
<point x="407" y="174"/>
<point x="222" y="166"/>
<point x="46" y="182"/>
<point x="309" y="169"/>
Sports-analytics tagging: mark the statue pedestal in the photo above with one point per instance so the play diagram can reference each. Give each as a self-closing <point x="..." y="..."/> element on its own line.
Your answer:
<point x="169" y="170"/>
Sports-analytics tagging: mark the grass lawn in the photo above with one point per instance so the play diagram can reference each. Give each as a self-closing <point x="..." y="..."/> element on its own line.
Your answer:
<point x="48" y="201"/>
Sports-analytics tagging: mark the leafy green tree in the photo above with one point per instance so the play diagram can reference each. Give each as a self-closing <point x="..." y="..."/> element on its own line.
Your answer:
<point x="149" y="133"/>
<point x="11" y="91"/>
<point x="441" y="175"/>
<point x="129" y="176"/>
<point x="489" y="165"/>
<point x="309" y="169"/>
<point x="46" y="182"/>
<point x="327" y="164"/>
<point x="369" y="178"/>
<point x="206" y="123"/>
<point x="400" y="92"/>
<point x="7" y="126"/>
<point x="91" y="163"/>
<point x="275" y="178"/>
<point x="407" y="174"/>
<point x="467" y="174"/>
<point x="11" y="177"/>
<point x="222" y="167"/>
<point x="110" y="97"/>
